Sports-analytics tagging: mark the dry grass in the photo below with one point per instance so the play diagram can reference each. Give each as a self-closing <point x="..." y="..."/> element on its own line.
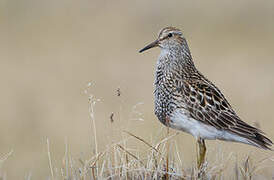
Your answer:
<point x="160" y="159"/>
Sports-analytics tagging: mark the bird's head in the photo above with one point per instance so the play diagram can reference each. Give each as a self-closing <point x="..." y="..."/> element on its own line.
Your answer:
<point x="168" y="38"/>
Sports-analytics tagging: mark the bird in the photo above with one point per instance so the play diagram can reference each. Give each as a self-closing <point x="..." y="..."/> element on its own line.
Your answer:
<point x="184" y="99"/>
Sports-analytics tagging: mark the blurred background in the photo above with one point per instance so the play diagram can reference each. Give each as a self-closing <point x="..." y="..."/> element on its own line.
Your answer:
<point x="50" y="50"/>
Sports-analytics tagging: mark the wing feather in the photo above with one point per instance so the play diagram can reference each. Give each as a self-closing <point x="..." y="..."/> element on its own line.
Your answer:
<point x="207" y="104"/>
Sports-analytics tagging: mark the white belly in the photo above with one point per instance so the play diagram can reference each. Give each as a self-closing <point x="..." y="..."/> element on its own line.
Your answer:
<point x="180" y="121"/>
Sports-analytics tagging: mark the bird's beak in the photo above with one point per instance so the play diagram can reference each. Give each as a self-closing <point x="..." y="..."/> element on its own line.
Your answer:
<point x="151" y="45"/>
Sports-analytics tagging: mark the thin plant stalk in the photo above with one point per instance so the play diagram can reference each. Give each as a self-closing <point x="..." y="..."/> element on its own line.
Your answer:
<point x="49" y="157"/>
<point x="92" y="102"/>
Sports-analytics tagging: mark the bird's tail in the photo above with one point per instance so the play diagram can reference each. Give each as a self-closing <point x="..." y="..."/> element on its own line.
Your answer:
<point x="253" y="135"/>
<point x="260" y="140"/>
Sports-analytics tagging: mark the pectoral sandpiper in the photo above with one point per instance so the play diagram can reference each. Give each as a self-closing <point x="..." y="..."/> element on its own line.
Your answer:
<point x="186" y="100"/>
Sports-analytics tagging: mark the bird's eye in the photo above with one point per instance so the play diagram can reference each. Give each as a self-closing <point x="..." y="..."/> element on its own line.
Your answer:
<point x="169" y="35"/>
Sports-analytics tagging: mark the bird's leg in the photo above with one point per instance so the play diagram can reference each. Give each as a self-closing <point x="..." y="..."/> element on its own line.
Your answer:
<point x="201" y="152"/>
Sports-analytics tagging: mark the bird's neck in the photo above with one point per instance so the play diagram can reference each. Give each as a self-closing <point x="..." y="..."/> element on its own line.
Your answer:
<point x="177" y="58"/>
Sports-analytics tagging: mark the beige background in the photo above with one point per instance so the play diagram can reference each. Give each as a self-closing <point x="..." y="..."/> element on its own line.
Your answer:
<point x="51" y="49"/>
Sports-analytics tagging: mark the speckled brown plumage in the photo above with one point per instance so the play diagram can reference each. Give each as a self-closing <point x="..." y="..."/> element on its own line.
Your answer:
<point x="184" y="95"/>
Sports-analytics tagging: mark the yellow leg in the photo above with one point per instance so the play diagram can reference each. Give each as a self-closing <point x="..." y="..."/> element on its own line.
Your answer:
<point x="201" y="152"/>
